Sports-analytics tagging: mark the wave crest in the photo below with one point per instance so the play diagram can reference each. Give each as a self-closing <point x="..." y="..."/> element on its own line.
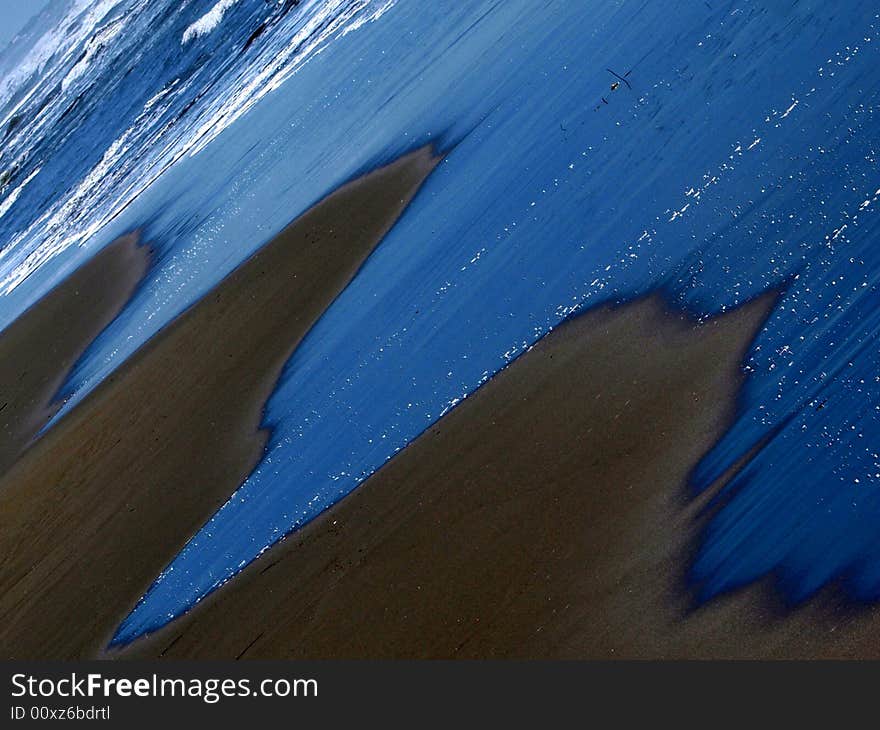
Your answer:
<point x="208" y="22"/>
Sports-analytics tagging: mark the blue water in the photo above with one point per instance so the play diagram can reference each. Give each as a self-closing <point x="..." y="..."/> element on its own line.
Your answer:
<point x="743" y="159"/>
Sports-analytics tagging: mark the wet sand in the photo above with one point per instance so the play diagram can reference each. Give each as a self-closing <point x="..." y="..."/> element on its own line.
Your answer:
<point x="546" y="516"/>
<point x="99" y="505"/>
<point x="38" y="349"/>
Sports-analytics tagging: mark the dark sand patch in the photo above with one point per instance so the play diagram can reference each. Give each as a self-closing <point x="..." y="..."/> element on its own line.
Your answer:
<point x="545" y="517"/>
<point x="99" y="505"/>
<point x="38" y="349"/>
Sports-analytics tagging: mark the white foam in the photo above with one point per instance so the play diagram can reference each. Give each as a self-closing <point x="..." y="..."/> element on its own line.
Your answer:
<point x="135" y="160"/>
<point x="58" y="40"/>
<point x="790" y="109"/>
<point x="208" y="22"/>
<point x="93" y="47"/>
<point x="332" y="19"/>
<point x="13" y="196"/>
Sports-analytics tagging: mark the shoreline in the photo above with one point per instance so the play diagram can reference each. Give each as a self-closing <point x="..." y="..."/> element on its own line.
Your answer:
<point x="39" y="348"/>
<point x="545" y="517"/>
<point x="93" y="512"/>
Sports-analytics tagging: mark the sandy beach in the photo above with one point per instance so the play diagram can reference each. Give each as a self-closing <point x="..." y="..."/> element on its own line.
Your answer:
<point x="98" y="506"/>
<point x="38" y="349"/>
<point x="546" y="516"/>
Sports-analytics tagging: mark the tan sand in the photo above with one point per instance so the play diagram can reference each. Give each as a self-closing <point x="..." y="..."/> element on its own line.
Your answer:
<point x="545" y="517"/>
<point x="99" y="505"/>
<point x="38" y="349"/>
